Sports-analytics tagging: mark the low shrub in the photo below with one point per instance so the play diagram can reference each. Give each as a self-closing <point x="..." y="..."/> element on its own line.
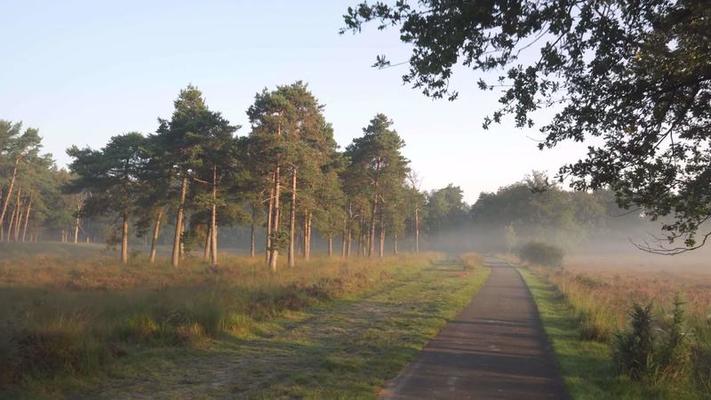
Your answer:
<point x="650" y="351"/>
<point x="542" y="254"/>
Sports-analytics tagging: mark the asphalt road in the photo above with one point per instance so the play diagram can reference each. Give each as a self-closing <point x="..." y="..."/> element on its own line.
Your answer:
<point x="494" y="349"/>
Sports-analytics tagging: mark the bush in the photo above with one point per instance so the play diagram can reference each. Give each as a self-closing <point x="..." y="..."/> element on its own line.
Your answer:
<point x="634" y="349"/>
<point x="541" y="254"/>
<point x="647" y="351"/>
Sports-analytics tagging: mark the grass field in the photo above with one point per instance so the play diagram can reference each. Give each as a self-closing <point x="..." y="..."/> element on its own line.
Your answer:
<point x="327" y="328"/>
<point x="587" y="302"/>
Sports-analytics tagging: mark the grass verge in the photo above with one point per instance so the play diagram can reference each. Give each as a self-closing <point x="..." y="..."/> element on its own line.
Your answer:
<point x="587" y="365"/>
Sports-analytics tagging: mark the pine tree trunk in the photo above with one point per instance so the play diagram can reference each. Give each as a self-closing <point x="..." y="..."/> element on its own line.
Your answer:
<point x="177" y="238"/>
<point x="382" y="236"/>
<point x="252" y="237"/>
<point x="396" y="251"/>
<point x="11" y="225"/>
<point x="307" y="235"/>
<point x="76" y="225"/>
<point x="371" y="236"/>
<point x="124" y="239"/>
<point x="330" y="245"/>
<point x="156" y="233"/>
<point x="292" y="220"/>
<point x="268" y="240"/>
<point x="213" y="220"/>
<point x="417" y="231"/>
<point x="18" y="218"/>
<point x="206" y="247"/>
<point x="274" y="251"/>
<point x="344" y="235"/>
<point x="27" y="219"/>
<point x="8" y="196"/>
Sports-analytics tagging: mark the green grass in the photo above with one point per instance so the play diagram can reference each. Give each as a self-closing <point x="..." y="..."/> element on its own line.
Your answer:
<point x="346" y="349"/>
<point x="325" y="330"/>
<point x="587" y="365"/>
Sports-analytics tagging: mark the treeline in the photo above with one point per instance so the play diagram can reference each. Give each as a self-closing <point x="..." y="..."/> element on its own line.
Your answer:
<point x="536" y="209"/>
<point x="286" y="178"/>
<point x="284" y="182"/>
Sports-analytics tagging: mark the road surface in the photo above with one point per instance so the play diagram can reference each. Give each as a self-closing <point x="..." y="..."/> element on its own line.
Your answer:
<point x="495" y="349"/>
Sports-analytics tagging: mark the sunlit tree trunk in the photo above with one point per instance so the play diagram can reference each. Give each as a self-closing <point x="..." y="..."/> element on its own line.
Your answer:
<point x="206" y="248"/>
<point x="156" y="233"/>
<point x="274" y="250"/>
<point x="77" y="220"/>
<point x="8" y="196"/>
<point x="11" y="225"/>
<point x="371" y="236"/>
<point x="268" y="239"/>
<point x="330" y="245"/>
<point x="213" y="220"/>
<point x="124" y="239"/>
<point x="180" y="214"/>
<point x="381" y="253"/>
<point x="344" y="236"/>
<point x="396" y="251"/>
<point x="417" y="230"/>
<point x="292" y="220"/>
<point x="27" y="218"/>
<point x="18" y="218"/>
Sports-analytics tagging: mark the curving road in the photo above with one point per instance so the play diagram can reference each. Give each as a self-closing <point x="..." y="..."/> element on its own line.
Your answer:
<point x="495" y="349"/>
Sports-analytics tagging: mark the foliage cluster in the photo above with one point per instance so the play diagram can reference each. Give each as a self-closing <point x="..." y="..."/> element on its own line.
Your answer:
<point x="539" y="253"/>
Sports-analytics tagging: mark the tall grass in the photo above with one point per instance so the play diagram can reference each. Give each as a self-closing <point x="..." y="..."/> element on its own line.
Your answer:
<point x="61" y="316"/>
<point x="602" y="302"/>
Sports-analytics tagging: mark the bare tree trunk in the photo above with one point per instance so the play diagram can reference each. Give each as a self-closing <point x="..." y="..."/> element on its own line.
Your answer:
<point x="76" y="224"/>
<point x="206" y="248"/>
<point x="307" y="234"/>
<point x="156" y="233"/>
<point x="8" y="196"/>
<point x="292" y="220"/>
<point x="371" y="236"/>
<point x="213" y="220"/>
<point x="274" y="251"/>
<point x="252" y="237"/>
<point x="417" y="230"/>
<point x="382" y="236"/>
<point x="344" y="235"/>
<point x="124" y="239"/>
<point x="13" y="216"/>
<point x="396" y="251"/>
<point x="18" y="218"/>
<point x="180" y="214"/>
<point x="268" y="240"/>
<point x="330" y="245"/>
<point x="27" y="219"/>
<point x="63" y="236"/>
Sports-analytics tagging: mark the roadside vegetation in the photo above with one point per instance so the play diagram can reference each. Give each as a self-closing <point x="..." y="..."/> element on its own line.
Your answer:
<point x="64" y="322"/>
<point x="627" y="334"/>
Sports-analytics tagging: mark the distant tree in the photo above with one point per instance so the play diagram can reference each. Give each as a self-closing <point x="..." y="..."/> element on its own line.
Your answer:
<point x="635" y="74"/>
<point x="16" y="147"/>
<point x="377" y="169"/>
<point x="111" y="176"/>
<point x="445" y="209"/>
<point x="193" y="139"/>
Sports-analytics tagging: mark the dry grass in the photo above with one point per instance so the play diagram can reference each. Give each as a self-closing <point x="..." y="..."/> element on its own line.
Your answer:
<point x="601" y="292"/>
<point x="65" y="315"/>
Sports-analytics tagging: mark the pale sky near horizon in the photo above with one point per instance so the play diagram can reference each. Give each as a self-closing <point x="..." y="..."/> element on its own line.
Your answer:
<point x="83" y="71"/>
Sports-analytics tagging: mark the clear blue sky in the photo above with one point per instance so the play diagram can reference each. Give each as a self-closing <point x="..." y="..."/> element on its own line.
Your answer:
<point x="83" y="71"/>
